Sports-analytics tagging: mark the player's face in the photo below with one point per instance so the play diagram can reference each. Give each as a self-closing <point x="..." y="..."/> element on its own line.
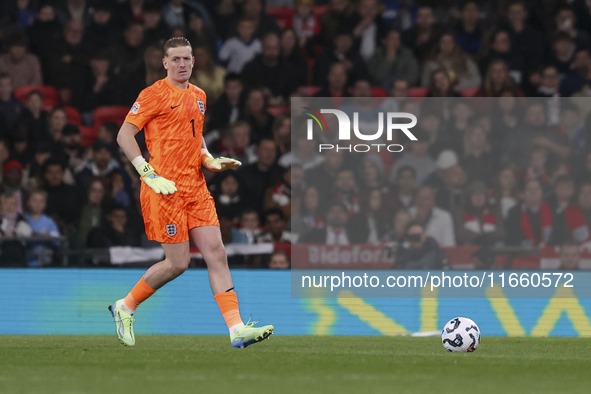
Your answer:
<point x="179" y="62"/>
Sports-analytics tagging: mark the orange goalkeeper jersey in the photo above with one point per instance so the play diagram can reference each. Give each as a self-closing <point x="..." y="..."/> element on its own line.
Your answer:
<point x="172" y="119"/>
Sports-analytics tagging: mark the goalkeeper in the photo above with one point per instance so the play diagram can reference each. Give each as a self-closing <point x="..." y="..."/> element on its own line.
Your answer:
<point x="176" y="203"/>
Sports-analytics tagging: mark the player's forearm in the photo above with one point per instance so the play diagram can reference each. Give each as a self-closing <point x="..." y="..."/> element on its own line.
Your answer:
<point x="127" y="142"/>
<point x="204" y="151"/>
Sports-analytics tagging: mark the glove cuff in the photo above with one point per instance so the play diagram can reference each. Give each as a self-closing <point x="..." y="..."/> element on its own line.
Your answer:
<point x="145" y="169"/>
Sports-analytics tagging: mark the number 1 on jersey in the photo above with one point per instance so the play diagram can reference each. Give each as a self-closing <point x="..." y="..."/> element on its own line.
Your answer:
<point x="193" y="126"/>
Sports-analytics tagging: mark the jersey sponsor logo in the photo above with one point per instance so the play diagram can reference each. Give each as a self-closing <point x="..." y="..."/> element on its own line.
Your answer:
<point x="201" y="106"/>
<point x="171" y="229"/>
<point x="134" y="108"/>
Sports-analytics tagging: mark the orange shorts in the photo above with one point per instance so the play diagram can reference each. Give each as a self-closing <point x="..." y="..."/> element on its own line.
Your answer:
<point x="168" y="219"/>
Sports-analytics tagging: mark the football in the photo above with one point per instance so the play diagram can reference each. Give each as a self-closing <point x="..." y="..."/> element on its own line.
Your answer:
<point x="460" y="334"/>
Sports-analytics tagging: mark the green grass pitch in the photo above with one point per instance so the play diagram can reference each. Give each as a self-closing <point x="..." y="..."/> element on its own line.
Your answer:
<point x="289" y="364"/>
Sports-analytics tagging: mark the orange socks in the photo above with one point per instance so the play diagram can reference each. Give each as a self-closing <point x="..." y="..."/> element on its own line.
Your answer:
<point x="228" y="303"/>
<point x="140" y="293"/>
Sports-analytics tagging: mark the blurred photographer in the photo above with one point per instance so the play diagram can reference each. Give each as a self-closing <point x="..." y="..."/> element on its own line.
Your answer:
<point x="419" y="251"/>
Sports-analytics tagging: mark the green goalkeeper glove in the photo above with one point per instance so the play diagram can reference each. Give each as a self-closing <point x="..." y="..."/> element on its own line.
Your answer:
<point x="220" y="164"/>
<point x="156" y="182"/>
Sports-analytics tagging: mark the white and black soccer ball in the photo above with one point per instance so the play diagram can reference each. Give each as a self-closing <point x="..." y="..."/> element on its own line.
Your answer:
<point x="460" y="334"/>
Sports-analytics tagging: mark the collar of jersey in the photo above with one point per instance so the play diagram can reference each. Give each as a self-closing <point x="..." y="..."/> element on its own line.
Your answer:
<point x="176" y="87"/>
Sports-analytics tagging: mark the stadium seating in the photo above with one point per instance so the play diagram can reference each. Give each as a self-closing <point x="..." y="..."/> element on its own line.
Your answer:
<point x="310" y="91"/>
<point x="471" y="92"/>
<point x="112" y="113"/>
<point x="73" y="116"/>
<point x="87" y="135"/>
<point x="418" y="92"/>
<point x="283" y="16"/>
<point x="50" y="95"/>
<point x="278" y="110"/>
<point x="376" y="91"/>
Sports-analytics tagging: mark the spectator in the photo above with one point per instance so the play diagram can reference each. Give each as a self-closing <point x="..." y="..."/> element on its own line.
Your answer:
<point x="263" y="23"/>
<point x="40" y="253"/>
<point x="174" y="13"/>
<point x="256" y="115"/>
<point x="531" y="222"/>
<point x="447" y="181"/>
<point x="462" y="71"/>
<point x="258" y="177"/>
<point x="565" y="20"/>
<point x="93" y="210"/>
<point x="397" y="234"/>
<point x="562" y="53"/>
<point x="155" y="29"/>
<point x="77" y="10"/>
<point x="570" y="256"/>
<point x="477" y="222"/>
<point x="228" y="197"/>
<point x="199" y="30"/>
<point x="127" y="59"/>
<point x="323" y="176"/>
<point x="498" y="80"/>
<point x="33" y="119"/>
<point x="370" y="224"/>
<point x="282" y="133"/>
<point x="279" y="260"/>
<point x="45" y="30"/>
<point x="286" y="192"/>
<point x="584" y="201"/>
<point x="63" y="201"/>
<point x="76" y="154"/>
<point x="478" y="162"/>
<point x="10" y="107"/>
<point x="231" y="235"/>
<point x="292" y="53"/>
<point x="99" y="87"/>
<point x="68" y="58"/>
<point x="500" y="50"/>
<point x="569" y="222"/>
<point x="400" y="88"/>
<point x="226" y="108"/>
<point x="461" y="113"/>
<point x="505" y="114"/>
<point x="103" y="30"/>
<point x="574" y="82"/>
<point x="402" y="195"/>
<point x="334" y="232"/>
<point x="22" y="67"/>
<point x="417" y="158"/>
<point x="238" y="145"/>
<point x="308" y="215"/>
<point x="422" y="37"/>
<point x="12" y="224"/>
<point x="369" y="29"/>
<point x="534" y="132"/>
<point x="469" y="29"/>
<point x="393" y="62"/>
<point x="115" y="231"/>
<point x="304" y="153"/>
<point x="275" y="228"/>
<point x="336" y="84"/>
<point x="102" y="163"/>
<point x="345" y="190"/>
<point x="440" y="85"/>
<point x="505" y="194"/>
<point x="342" y="51"/>
<point x="371" y="173"/>
<point x="271" y="71"/>
<point x="250" y="224"/>
<point x="206" y="74"/>
<point x="12" y="178"/>
<point x="154" y="68"/>
<point x="420" y="251"/>
<point x="525" y="40"/>
<point x="437" y="222"/>
<point x="304" y="21"/>
<point x="339" y="16"/>
<point x="240" y="50"/>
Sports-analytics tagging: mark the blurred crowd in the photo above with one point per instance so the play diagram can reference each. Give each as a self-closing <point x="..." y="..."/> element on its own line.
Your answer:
<point x="520" y="175"/>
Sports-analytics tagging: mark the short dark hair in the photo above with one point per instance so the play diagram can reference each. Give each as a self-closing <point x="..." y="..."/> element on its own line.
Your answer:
<point x="232" y="77"/>
<point x="563" y="179"/>
<point x="52" y="162"/>
<point x="405" y="168"/>
<point x="176" y="42"/>
<point x="274" y="211"/>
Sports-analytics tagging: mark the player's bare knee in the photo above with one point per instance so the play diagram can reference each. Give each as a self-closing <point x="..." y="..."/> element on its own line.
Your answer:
<point x="178" y="269"/>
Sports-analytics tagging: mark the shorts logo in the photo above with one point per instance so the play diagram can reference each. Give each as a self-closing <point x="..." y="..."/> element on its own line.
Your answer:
<point x="201" y="106"/>
<point x="135" y="107"/>
<point x="171" y="229"/>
